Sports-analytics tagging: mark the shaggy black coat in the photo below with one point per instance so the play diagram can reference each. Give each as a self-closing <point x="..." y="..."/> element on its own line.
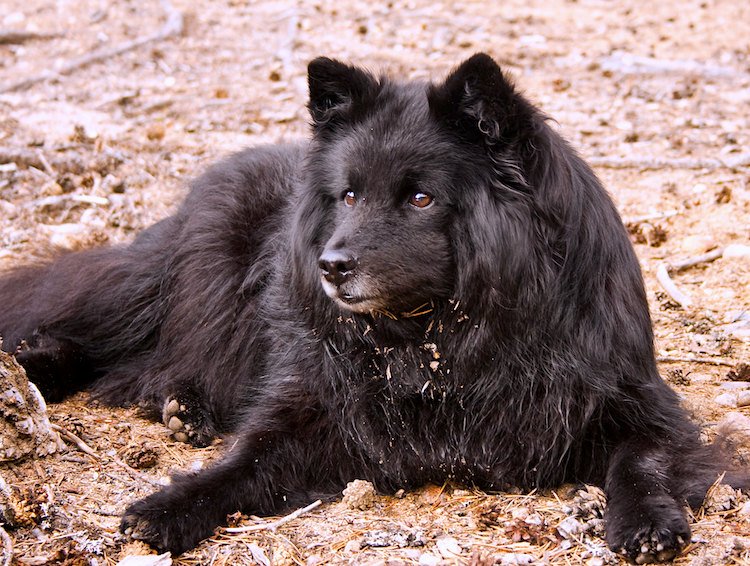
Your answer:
<point x="435" y="287"/>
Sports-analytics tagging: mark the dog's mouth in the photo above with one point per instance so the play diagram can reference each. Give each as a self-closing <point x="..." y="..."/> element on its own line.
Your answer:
<point x="349" y="299"/>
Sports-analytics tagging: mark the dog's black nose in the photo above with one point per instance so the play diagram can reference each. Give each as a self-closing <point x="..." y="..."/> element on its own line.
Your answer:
<point x="337" y="266"/>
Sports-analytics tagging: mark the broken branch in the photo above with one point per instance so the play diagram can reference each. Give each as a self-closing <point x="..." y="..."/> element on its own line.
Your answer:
<point x="173" y="26"/>
<point x="276" y="524"/>
<point x="643" y="163"/>
<point x="82" y="446"/>
<point x="664" y="270"/>
<point x="691" y="360"/>
<point x="8" y="37"/>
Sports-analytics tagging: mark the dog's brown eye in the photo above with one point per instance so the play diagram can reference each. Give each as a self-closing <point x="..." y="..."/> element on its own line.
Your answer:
<point x="350" y="199"/>
<point x="420" y="200"/>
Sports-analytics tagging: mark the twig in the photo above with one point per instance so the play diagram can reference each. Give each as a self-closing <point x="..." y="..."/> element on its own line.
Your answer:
<point x="662" y="276"/>
<point x="276" y="524"/>
<point x="664" y="270"/>
<point x="733" y="162"/>
<point x="47" y="167"/>
<point x="691" y="360"/>
<point x="8" y="37"/>
<point x="82" y="446"/>
<point x="7" y="548"/>
<point x="173" y="26"/>
<point x="649" y="217"/>
<point x="631" y="64"/>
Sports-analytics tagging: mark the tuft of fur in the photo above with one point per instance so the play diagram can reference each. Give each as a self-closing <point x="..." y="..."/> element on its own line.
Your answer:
<point x="497" y="334"/>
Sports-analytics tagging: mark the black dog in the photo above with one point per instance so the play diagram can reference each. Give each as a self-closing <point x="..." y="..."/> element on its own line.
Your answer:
<point x="436" y="287"/>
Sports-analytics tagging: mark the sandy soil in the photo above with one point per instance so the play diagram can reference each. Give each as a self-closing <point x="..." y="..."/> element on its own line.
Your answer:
<point x="656" y="95"/>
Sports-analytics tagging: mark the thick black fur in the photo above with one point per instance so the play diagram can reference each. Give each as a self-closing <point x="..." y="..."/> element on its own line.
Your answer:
<point x="498" y="336"/>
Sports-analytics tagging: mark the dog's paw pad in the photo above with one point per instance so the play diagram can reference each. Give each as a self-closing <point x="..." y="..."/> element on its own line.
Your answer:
<point x="186" y="422"/>
<point x="654" y="545"/>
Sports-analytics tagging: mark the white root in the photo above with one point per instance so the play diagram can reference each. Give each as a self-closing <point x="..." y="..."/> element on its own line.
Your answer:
<point x="172" y="27"/>
<point x="276" y="524"/>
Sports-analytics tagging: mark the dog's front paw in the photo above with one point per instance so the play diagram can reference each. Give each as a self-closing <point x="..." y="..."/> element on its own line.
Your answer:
<point x="656" y="532"/>
<point x="163" y="524"/>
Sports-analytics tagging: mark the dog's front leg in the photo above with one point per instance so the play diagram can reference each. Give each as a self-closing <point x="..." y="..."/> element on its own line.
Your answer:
<point x="644" y="519"/>
<point x="269" y="471"/>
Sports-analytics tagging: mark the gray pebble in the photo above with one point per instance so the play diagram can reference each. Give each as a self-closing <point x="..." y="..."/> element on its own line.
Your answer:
<point x="727" y="399"/>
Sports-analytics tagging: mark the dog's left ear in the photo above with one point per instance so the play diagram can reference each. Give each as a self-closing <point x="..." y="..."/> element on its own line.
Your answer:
<point x="337" y="90"/>
<point x="480" y="102"/>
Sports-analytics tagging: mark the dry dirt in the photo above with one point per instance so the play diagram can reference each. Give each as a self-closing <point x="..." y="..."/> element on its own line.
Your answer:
<point x="656" y="95"/>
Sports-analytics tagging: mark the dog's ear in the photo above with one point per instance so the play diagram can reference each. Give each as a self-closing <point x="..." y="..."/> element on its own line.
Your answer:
<point x="479" y="100"/>
<point x="336" y="91"/>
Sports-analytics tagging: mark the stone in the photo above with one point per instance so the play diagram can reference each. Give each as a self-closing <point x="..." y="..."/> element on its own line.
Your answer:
<point x="726" y="399"/>
<point x="359" y="494"/>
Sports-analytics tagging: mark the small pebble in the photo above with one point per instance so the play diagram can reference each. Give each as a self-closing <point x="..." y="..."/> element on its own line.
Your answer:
<point x="352" y="546"/>
<point x="726" y="399"/>
<point x="359" y="494"/>
<point x="743" y="398"/>
<point x="448" y="547"/>
<point x="429" y="559"/>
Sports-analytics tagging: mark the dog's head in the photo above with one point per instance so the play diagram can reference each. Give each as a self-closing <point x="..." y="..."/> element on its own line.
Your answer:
<point x="413" y="189"/>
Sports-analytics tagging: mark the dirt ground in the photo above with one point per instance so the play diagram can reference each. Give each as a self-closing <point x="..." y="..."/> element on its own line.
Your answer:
<point x="655" y="95"/>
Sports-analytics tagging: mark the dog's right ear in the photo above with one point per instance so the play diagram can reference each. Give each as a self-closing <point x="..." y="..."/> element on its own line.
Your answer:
<point x="336" y="91"/>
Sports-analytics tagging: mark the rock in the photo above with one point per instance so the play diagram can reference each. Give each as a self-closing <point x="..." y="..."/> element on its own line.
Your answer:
<point x="393" y="536"/>
<point x="25" y="428"/>
<point x="352" y="547"/>
<point x="697" y="244"/>
<point x="734" y="423"/>
<point x="429" y="559"/>
<point x="726" y="399"/>
<point x="359" y="494"/>
<point x="743" y="398"/>
<point x="448" y="547"/>
<point x="735" y="385"/>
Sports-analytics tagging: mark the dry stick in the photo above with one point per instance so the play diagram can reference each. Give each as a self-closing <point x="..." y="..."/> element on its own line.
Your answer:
<point x="733" y="162"/>
<point x="82" y="446"/>
<point x="21" y="157"/>
<point x="135" y="474"/>
<point x="8" y="37"/>
<point x="649" y="217"/>
<point x="7" y="548"/>
<point x="276" y="524"/>
<point x="664" y="269"/>
<point x="173" y="26"/>
<point x="688" y="359"/>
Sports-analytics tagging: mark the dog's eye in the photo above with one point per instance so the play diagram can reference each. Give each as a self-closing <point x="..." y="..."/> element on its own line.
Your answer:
<point x="421" y="200"/>
<point x="350" y="198"/>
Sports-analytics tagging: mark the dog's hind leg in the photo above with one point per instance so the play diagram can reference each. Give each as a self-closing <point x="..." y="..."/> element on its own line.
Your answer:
<point x="87" y="314"/>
